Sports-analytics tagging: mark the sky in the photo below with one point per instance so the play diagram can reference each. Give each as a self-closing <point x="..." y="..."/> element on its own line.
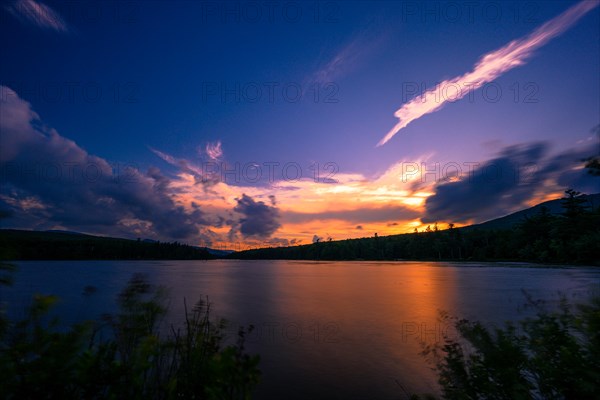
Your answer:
<point x="250" y="124"/>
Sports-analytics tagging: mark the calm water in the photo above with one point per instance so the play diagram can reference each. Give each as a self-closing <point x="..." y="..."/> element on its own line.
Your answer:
<point x="347" y="330"/>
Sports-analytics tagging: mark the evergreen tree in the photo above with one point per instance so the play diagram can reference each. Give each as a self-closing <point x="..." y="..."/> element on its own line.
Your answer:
<point x="573" y="204"/>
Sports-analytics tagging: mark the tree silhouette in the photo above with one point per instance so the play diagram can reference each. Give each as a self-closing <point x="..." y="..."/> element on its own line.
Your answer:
<point x="573" y="204"/>
<point x="593" y="163"/>
<point x="593" y="166"/>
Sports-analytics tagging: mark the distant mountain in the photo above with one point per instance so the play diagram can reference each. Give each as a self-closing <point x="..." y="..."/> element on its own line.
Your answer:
<point x="553" y="206"/>
<point x="218" y="253"/>
<point x="66" y="232"/>
<point x="64" y="245"/>
<point x="524" y="236"/>
<point x="573" y="241"/>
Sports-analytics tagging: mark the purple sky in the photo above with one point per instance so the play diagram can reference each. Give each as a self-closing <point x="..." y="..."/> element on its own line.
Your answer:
<point x="259" y="123"/>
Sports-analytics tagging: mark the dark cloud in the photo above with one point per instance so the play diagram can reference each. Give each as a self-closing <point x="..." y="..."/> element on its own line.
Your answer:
<point x="505" y="184"/>
<point x="259" y="219"/>
<point x="566" y="169"/>
<point x="361" y="215"/>
<point x="202" y="176"/>
<point x="49" y="181"/>
<point x="359" y="227"/>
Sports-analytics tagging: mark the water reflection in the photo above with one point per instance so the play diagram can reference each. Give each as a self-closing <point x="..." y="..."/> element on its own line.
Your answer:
<point x="349" y="330"/>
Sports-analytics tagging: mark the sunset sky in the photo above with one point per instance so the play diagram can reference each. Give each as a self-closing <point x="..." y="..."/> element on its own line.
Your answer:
<point x="246" y="124"/>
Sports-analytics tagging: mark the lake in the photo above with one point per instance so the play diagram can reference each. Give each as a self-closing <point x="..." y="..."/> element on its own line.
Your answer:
<point x="347" y="330"/>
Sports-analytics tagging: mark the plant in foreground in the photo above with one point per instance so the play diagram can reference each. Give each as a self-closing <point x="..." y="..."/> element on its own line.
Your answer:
<point x="554" y="355"/>
<point x="125" y="356"/>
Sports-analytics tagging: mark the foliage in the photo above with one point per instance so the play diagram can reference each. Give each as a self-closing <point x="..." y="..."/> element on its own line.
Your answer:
<point x="570" y="237"/>
<point x="32" y="245"/>
<point x="593" y="166"/>
<point x="38" y="359"/>
<point x="555" y="355"/>
<point x="573" y="204"/>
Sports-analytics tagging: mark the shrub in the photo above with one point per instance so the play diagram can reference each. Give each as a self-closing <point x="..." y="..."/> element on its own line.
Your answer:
<point x="554" y="355"/>
<point x="38" y="359"/>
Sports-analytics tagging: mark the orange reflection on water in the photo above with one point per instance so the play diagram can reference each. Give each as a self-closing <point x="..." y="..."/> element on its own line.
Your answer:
<point x="350" y="314"/>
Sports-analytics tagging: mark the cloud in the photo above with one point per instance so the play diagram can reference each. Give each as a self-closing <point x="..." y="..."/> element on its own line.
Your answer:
<point x="259" y="219"/>
<point x="364" y="214"/>
<point x="351" y="56"/>
<point x="38" y="14"/>
<point x="359" y="200"/>
<point x="566" y="169"/>
<point x="50" y="182"/>
<point x="205" y="178"/>
<point x="213" y="150"/>
<point x="339" y="63"/>
<point x="519" y="176"/>
<point x="279" y="242"/>
<point x="488" y="68"/>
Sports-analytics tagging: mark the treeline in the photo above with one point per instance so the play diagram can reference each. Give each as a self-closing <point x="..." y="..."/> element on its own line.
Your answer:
<point x="571" y="237"/>
<point x="31" y="245"/>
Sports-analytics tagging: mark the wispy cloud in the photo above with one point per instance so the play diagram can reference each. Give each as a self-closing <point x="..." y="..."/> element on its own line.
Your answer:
<point x="213" y="150"/>
<point x="489" y="67"/>
<point x="365" y="214"/>
<point x="339" y="63"/>
<point x="205" y="178"/>
<point x="351" y="56"/>
<point x="38" y="14"/>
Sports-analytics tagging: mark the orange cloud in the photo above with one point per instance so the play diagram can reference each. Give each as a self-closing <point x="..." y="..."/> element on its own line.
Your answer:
<point x="387" y="204"/>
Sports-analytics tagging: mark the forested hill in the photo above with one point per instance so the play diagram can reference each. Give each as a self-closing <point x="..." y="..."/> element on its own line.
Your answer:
<point x="560" y="231"/>
<point x="563" y="231"/>
<point x="34" y="245"/>
<point x="555" y="207"/>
